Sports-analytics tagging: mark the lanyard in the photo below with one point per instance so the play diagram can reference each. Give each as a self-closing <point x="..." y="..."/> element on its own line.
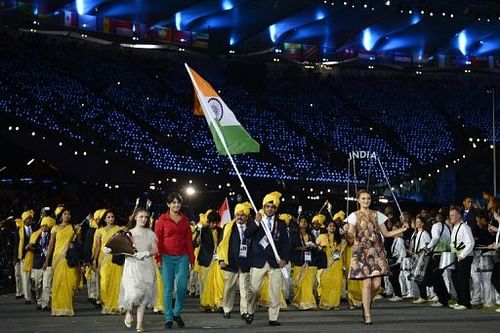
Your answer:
<point x="302" y="240"/>
<point x="274" y="231"/>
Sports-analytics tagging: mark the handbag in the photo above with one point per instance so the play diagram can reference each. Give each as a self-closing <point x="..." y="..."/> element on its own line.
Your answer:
<point x="74" y="253"/>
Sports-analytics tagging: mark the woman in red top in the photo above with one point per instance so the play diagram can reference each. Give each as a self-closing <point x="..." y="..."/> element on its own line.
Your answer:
<point x="176" y="250"/>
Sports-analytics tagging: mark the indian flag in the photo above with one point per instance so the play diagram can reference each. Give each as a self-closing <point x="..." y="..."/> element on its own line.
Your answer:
<point x="225" y="128"/>
<point x="225" y="214"/>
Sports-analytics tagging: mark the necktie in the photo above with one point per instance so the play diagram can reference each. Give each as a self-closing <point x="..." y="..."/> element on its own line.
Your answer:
<point x="242" y="235"/>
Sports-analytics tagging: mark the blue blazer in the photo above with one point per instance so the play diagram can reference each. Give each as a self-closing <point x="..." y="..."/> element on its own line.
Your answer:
<point x="235" y="261"/>
<point x="258" y="255"/>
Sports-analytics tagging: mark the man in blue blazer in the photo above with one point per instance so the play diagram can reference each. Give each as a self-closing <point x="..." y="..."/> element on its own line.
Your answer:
<point x="262" y="259"/>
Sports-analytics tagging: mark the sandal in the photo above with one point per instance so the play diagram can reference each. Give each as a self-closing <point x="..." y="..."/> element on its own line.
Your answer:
<point x="367" y="319"/>
<point x="128" y="321"/>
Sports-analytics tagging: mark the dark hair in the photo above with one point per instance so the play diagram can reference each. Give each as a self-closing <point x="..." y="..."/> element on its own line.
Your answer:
<point x="361" y="192"/>
<point x="172" y="196"/>
<point x="425" y="221"/>
<point x="132" y="222"/>
<point x="482" y="214"/>
<point x="336" y="233"/>
<point x="213" y="217"/>
<point x="102" y="221"/>
<point x="440" y="217"/>
<point x="59" y="216"/>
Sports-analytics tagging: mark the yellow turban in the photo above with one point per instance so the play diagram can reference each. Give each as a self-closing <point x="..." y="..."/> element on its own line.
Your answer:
<point x="243" y="207"/>
<point x="27" y="214"/>
<point x="19" y="223"/>
<point x="273" y="197"/>
<point x="286" y="218"/>
<point x="58" y="210"/>
<point x="339" y="215"/>
<point x="320" y="218"/>
<point x="48" y="221"/>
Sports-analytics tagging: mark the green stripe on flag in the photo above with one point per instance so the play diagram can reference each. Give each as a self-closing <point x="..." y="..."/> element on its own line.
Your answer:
<point x="237" y="139"/>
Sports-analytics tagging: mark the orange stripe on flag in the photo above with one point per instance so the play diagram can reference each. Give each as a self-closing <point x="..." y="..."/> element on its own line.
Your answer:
<point x="203" y="85"/>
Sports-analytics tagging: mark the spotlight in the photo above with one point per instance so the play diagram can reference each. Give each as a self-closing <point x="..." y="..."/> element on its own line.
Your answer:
<point x="190" y="191"/>
<point x="388" y="3"/>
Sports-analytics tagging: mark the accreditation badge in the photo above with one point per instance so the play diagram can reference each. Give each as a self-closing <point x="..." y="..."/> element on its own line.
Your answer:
<point x="264" y="242"/>
<point x="243" y="251"/>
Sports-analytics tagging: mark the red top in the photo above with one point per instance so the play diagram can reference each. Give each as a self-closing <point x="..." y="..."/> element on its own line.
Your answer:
<point x="174" y="238"/>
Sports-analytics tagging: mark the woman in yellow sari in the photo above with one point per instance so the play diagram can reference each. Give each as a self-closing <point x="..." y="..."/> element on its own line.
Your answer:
<point x="331" y="277"/>
<point x="65" y="279"/>
<point x="304" y="270"/>
<point x="110" y="274"/>
<point x="212" y="291"/>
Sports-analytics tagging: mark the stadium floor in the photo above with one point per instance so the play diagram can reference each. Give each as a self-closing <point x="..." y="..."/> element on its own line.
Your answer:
<point x="16" y="317"/>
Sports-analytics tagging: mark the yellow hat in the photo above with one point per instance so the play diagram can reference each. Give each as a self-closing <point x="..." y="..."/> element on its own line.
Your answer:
<point x="58" y="210"/>
<point x="48" y="221"/>
<point x="243" y="207"/>
<point x="339" y="215"/>
<point x="19" y="223"/>
<point x="286" y="218"/>
<point x="27" y="214"/>
<point x="320" y="218"/>
<point x="273" y="197"/>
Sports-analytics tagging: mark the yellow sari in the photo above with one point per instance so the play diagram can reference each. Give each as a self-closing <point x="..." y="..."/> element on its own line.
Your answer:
<point x="213" y="290"/>
<point x="110" y="274"/>
<point x="159" y="307"/>
<point x="304" y="279"/>
<point x="65" y="279"/>
<point x="331" y="277"/>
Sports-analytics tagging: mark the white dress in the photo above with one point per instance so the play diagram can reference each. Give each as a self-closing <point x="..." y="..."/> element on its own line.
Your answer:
<point x="138" y="284"/>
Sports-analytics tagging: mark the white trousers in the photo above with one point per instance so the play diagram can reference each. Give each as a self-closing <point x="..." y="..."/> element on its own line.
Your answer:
<point x="93" y="286"/>
<point x="19" y="282"/>
<point x="26" y="282"/>
<point x="275" y="285"/>
<point x="43" y="281"/>
<point x="230" y="282"/>
<point x="482" y="291"/>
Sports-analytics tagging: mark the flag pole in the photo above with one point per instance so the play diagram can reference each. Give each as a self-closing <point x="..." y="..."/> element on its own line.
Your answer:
<point x="223" y="142"/>
<point x="390" y="187"/>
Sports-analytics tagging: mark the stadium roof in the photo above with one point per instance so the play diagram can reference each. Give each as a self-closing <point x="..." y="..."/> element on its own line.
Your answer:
<point x="417" y="26"/>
